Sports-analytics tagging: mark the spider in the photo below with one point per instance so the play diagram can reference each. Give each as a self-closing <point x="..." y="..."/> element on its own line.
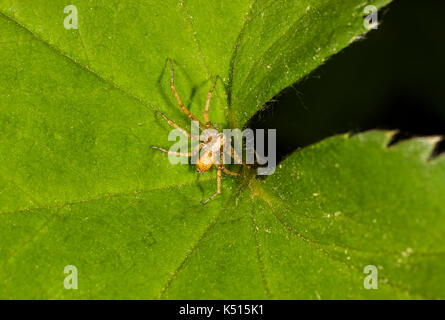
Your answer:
<point x="211" y="144"/>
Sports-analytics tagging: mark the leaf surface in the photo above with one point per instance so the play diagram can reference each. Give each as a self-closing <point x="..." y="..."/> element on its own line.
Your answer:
<point x="80" y="186"/>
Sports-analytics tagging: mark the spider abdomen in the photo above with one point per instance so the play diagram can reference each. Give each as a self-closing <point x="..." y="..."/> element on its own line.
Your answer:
<point x="205" y="161"/>
<point x="210" y="152"/>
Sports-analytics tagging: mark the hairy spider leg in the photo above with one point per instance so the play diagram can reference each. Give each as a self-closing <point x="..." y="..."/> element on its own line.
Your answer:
<point x="174" y="125"/>
<point x="224" y="169"/>
<point x="235" y="156"/>
<point x="231" y="173"/>
<point x="182" y="154"/>
<point x="181" y="105"/>
<point x="218" y="188"/>
<point x="221" y="168"/>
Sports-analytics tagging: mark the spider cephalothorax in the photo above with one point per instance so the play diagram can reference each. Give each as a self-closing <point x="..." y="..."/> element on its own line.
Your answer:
<point x="210" y="146"/>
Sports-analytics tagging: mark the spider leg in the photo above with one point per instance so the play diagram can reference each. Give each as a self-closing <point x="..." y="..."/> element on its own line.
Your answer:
<point x="224" y="169"/>
<point x="235" y="156"/>
<point x="196" y="150"/>
<point x="174" y="125"/>
<point x="181" y="105"/>
<point x="182" y="154"/>
<point x="218" y="190"/>
<point x="227" y="171"/>
<point x="206" y="112"/>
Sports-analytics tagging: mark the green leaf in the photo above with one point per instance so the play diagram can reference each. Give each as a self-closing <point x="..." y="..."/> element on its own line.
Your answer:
<point x="80" y="186"/>
<point x="309" y="230"/>
<point x="282" y="41"/>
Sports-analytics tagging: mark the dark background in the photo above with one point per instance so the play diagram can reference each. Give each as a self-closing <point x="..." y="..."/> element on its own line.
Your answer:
<point x="392" y="79"/>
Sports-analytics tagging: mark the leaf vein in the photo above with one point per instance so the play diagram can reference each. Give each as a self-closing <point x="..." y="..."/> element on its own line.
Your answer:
<point x="320" y="248"/>
<point x="103" y="197"/>
<point x="258" y="254"/>
<point x="198" y="242"/>
<point x="80" y="65"/>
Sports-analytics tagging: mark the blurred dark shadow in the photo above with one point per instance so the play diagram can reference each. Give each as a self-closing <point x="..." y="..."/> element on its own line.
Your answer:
<point x="393" y="79"/>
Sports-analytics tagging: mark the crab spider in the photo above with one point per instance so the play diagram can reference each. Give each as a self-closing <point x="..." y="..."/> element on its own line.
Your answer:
<point x="211" y="144"/>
